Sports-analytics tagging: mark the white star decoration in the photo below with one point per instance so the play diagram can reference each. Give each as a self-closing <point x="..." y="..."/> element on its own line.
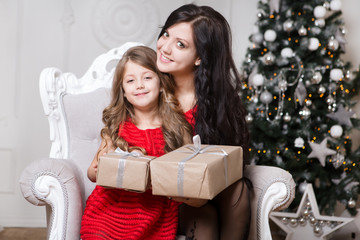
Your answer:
<point x="307" y="223"/>
<point x="341" y="116"/>
<point x="320" y="151"/>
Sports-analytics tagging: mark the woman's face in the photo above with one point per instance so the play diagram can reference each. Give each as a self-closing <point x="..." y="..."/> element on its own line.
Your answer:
<point x="176" y="52"/>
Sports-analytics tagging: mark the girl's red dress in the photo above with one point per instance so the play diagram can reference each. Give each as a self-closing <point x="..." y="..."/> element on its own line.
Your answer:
<point x="120" y="214"/>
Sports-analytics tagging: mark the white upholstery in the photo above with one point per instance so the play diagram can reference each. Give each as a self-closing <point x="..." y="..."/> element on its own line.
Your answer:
<point x="74" y="109"/>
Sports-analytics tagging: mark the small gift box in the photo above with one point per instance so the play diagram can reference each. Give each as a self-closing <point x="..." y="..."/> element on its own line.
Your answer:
<point x="124" y="170"/>
<point x="196" y="171"/>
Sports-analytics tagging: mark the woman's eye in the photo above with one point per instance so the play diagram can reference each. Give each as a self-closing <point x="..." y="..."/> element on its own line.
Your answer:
<point x="180" y="44"/>
<point x="166" y="34"/>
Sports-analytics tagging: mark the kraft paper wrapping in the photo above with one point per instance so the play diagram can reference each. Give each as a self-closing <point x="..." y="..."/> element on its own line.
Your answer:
<point x="206" y="174"/>
<point x="124" y="170"/>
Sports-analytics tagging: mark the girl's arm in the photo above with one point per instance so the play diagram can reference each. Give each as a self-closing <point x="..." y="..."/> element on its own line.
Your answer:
<point x="106" y="146"/>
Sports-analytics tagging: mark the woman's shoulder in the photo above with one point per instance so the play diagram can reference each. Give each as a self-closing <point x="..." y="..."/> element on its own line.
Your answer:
<point x="190" y="115"/>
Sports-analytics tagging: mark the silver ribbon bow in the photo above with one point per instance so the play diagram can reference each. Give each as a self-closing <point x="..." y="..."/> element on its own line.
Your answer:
<point x="122" y="162"/>
<point x="194" y="151"/>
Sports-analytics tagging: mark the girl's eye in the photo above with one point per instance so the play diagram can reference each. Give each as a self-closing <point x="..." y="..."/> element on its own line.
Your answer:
<point x="166" y="34"/>
<point x="129" y="80"/>
<point x="148" y="78"/>
<point x="180" y="44"/>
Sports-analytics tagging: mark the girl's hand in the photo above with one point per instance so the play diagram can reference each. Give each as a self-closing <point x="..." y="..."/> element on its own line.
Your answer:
<point x="105" y="148"/>
<point x="193" y="202"/>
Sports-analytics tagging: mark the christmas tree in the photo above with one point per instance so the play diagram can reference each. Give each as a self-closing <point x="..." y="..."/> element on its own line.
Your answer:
<point x="298" y="93"/>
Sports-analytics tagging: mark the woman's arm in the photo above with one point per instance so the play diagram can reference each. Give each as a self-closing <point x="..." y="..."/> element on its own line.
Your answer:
<point x="193" y="202"/>
<point x="106" y="146"/>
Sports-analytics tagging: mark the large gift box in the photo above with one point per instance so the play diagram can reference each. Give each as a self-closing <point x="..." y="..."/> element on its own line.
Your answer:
<point x="124" y="170"/>
<point x="196" y="171"/>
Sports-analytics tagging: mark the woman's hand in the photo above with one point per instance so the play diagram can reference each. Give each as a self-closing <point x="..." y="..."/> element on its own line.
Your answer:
<point x="193" y="202"/>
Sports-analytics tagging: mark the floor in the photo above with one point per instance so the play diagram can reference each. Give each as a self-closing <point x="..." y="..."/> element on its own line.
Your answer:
<point x="23" y="234"/>
<point x="40" y="233"/>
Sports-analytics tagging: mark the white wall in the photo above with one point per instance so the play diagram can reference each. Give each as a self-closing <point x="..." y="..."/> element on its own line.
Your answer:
<point x="69" y="35"/>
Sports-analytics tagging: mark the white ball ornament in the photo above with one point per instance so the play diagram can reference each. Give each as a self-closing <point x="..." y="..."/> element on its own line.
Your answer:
<point x="320" y="22"/>
<point x="336" y="74"/>
<point x="270" y="35"/>
<point x="336" y="131"/>
<point x="258" y="80"/>
<point x="319" y="12"/>
<point x="313" y="44"/>
<point x="335" y="5"/>
<point x="266" y="97"/>
<point x="257" y="38"/>
<point x="287" y="52"/>
<point x="299" y="142"/>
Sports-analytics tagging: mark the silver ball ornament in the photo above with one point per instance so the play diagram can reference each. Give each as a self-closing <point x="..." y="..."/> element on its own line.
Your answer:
<point x="347" y="75"/>
<point x="321" y="89"/>
<point x="326" y="5"/>
<point x="343" y="30"/>
<point x="269" y="58"/>
<point x="287" y="117"/>
<point x="316" y="78"/>
<point x="318" y="230"/>
<point x="308" y="103"/>
<point x="330" y="100"/>
<point x="302" y="187"/>
<point x="305" y="113"/>
<point x="312" y="220"/>
<point x="352" y="203"/>
<point x="302" y="221"/>
<point x="249" y="118"/>
<point x="285" y="220"/>
<point x="333" y="44"/>
<point x="293" y="222"/>
<point x="302" y="31"/>
<point x="306" y="213"/>
<point x="288" y="25"/>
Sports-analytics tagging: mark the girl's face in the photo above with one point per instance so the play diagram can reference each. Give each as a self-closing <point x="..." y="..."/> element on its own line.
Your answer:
<point x="141" y="87"/>
<point x="176" y="52"/>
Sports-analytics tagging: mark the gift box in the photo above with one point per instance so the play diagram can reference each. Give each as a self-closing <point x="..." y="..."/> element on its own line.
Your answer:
<point x="196" y="171"/>
<point x="129" y="171"/>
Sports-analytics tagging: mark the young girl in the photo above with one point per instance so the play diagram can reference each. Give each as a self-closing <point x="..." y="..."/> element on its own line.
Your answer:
<point x="142" y="98"/>
<point x="194" y="47"/>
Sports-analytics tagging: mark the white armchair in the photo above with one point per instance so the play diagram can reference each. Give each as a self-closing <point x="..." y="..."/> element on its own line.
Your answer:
<point x="74" y="110"/>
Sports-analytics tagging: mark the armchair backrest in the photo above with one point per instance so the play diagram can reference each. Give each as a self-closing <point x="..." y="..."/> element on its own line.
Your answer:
<point x="74" y="109"/>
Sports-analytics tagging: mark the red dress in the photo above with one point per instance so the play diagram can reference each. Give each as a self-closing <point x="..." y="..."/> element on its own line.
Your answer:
<point x="120" y="214"/>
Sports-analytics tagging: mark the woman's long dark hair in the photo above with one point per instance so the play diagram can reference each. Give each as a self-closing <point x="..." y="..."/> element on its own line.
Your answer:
<point x="220" y="115"/>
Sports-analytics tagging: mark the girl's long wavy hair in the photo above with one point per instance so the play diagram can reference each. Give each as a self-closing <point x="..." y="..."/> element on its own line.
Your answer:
<point x="220" y="116"/>
<point x="176" y="129"/>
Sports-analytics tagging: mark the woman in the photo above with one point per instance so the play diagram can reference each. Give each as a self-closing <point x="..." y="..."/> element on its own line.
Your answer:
<point x="194" y="47"/>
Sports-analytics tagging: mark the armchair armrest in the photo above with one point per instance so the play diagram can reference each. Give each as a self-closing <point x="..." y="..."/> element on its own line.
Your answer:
<point x="53" y="182"/>
<point x="274" y="190"/>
